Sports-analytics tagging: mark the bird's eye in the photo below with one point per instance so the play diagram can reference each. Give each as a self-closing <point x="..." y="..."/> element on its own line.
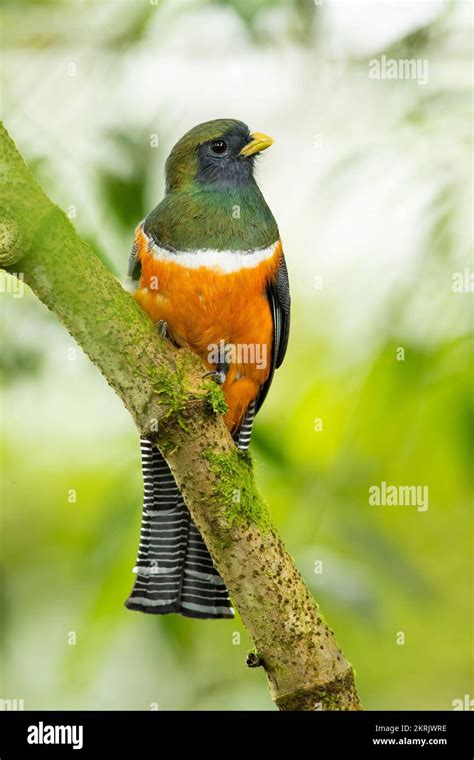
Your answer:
<point x="219" y="147"/>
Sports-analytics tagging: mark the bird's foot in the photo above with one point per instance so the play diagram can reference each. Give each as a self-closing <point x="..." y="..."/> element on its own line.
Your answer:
<point x="217" y="374"/>
<point x="162" y="328"/>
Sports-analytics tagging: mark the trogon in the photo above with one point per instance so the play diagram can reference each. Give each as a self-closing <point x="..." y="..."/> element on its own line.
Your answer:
<point x="209" y="269"/>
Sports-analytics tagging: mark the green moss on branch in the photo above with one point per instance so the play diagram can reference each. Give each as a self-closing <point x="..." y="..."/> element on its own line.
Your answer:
<point x="244" y="504"/>
<point x="215" y="398"/>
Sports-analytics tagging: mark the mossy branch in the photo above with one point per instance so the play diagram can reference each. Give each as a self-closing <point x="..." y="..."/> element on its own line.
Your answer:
<point x="164" y="391"/>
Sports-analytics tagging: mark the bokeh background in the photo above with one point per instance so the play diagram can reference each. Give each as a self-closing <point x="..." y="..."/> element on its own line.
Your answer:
<point x="370" y="181"/>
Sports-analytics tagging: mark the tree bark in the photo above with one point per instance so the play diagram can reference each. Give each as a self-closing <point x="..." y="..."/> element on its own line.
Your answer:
<point x="163" y="389"/>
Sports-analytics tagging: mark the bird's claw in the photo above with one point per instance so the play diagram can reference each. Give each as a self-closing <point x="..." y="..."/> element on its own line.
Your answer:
<point x="162" y="328"/>
<point x="217" y="374"/>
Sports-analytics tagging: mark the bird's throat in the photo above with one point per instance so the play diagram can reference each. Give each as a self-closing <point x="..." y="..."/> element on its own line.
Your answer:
<point x="198" y="218"/>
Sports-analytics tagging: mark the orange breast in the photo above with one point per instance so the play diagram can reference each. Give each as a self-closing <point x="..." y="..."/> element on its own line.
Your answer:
<point x="206" y="310"/>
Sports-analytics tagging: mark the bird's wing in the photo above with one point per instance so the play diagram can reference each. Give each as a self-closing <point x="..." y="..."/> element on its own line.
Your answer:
<point x="278" y="294"/>
<point x="134" y="263"/>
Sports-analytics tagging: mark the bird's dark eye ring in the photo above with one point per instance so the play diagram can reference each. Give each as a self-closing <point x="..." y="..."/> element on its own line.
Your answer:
<point x="219" y="147"/>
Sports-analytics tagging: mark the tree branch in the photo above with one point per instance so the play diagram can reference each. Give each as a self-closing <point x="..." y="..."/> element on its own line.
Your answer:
<point x="163" y="389"/>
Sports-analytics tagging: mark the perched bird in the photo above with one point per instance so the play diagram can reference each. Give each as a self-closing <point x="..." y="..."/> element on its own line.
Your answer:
<point x="210" y="270"/>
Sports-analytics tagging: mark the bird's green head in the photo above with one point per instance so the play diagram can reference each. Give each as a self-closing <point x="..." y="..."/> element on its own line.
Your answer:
<point x="218" y="154"/>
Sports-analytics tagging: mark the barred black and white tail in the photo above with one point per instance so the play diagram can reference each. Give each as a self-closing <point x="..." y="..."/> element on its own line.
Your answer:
<point x="174" y="569"/>
<point x="242" y="437"/>
<point x="175" y="572"/>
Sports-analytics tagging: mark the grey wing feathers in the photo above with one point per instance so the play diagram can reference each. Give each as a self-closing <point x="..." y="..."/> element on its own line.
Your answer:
<point x="134" y="265"/>
<point x="280" y="304"/>
<point x="278" y="294"/>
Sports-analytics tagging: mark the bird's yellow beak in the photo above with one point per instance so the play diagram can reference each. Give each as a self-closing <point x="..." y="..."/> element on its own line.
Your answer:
<point x="258" y="142"/>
